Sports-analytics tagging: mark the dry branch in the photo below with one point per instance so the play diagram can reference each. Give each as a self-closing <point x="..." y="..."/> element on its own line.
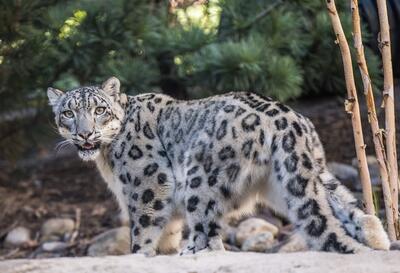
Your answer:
<point x="75" y="232"/>
<point x="372" y="117"/>
<point x="388" y="99"/>
<point x="352" y="106"/>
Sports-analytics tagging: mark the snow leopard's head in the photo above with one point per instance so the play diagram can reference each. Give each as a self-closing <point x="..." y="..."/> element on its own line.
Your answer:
<point x="88" y="116"/>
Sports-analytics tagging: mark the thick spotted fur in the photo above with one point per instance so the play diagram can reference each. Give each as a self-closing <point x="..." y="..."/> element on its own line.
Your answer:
<point x="202" y="160"/>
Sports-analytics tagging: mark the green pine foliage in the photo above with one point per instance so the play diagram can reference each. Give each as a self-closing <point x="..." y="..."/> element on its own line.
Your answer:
<point x="280" y="48"/>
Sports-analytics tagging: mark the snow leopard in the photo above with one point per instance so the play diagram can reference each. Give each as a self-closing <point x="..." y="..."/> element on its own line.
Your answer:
<point x="199" y="161"/>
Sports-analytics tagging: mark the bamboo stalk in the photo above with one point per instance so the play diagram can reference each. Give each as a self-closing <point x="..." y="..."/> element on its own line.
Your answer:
<point x="372" y="118"/>
<point x="388" y="102"/>
<point x="352" y="107"/>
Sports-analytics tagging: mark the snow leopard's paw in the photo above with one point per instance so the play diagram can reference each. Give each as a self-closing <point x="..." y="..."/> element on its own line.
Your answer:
<point x="189" y="250"/>
<point x="372" y="233"/>
<point x="216" y="244"/>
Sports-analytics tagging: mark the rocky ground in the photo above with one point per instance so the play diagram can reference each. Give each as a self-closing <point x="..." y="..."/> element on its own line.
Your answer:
<point x="64" y="209"/>
<point x="74" y="215"/>
<point x="53" y="206"/>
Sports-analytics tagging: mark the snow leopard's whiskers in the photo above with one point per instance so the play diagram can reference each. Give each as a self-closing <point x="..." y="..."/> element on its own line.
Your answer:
<point x="54" y="128"/>
<point x="62" y="144"/>
<point x="107" y="139"/>
<point x="107" y="136"/>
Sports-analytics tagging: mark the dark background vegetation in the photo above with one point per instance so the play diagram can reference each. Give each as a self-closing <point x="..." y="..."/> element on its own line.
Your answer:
<point x="184" y="48"/>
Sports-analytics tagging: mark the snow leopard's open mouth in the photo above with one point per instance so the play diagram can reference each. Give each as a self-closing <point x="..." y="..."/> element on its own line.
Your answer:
<point x="88" y="146"/>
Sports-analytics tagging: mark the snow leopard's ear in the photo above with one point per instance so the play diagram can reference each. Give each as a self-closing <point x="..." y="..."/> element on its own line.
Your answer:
<point x="111" y="87"/>
<point x="54" y="96"/>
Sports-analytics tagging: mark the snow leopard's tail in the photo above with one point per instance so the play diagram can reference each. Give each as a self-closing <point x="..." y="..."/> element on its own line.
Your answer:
<point x="366" y="229"/>
<point x="325" y="213"/>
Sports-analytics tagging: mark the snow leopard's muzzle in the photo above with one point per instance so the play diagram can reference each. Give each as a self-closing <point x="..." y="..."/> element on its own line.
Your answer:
<point x="87" y="139"/>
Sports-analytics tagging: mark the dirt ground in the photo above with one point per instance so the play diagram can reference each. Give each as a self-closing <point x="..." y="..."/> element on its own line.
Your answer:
<point x="58" y="186"/>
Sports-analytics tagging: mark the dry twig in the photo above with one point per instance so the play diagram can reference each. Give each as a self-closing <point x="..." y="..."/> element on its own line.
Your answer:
<point x="352" y="106"/>
<point x="372" y="117"/>
<point x="10" y="254"/>
<point x="388" y="100"/>
<point x="75" y="233"/>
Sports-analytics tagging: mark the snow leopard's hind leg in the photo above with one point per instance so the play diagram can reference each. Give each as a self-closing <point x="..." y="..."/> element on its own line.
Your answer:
<point x="306" y="196"/>
<point x="366" y="229"/>
<point x="203" y="211"/>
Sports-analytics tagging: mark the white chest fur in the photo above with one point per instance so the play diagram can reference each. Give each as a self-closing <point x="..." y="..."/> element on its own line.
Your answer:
<point x="108" y="176"/>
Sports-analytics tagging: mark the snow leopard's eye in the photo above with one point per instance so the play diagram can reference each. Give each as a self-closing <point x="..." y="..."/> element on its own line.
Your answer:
<point x="99" y="110"/>
<point x="68" y="114"/>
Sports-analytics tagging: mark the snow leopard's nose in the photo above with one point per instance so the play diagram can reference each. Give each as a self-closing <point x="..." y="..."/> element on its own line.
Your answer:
<point x="85" y="135"/>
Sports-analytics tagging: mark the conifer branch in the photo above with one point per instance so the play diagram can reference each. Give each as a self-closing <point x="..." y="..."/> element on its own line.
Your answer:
<point x="256" y="18"/>
<point x="263" y="13"/>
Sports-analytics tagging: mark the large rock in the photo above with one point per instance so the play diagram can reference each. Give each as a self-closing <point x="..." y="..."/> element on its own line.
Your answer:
<point x="259" y="243"/>
<point x="56" y="228"/>
<point x="18" y="236"/>
<point x="294" y="243"/>
<point x="223" y="262"/>
<point x="253" y="226"/>
<point x="346" y="174"/>
<point x="228" y="232"/>
<point x="112" y="242"/>
<point x="54" y="246"/>
<point x="395" y="245"/>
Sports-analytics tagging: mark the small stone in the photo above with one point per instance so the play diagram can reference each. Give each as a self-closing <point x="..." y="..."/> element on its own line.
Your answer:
<point x="254" y="226"/>
<point x="346" y="174"/>
<point x="229" y="247"/>
<point x="294" y="243"/>
<point x="228" y="233"/>
<point x="259" y="243"/>
<point x="38" y="184"/>
<point x="51" y="238"/>
<point x="54" y="246"/>
<point x="17" y="237"/>
<point x="395" y="245"/>
<point x="268" y="215"/>
<point x="112" y="242"/>
<point x="57" y="227"/>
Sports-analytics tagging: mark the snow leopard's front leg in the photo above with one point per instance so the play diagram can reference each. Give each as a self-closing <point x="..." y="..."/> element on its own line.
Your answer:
<point x="147" y="185"/>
